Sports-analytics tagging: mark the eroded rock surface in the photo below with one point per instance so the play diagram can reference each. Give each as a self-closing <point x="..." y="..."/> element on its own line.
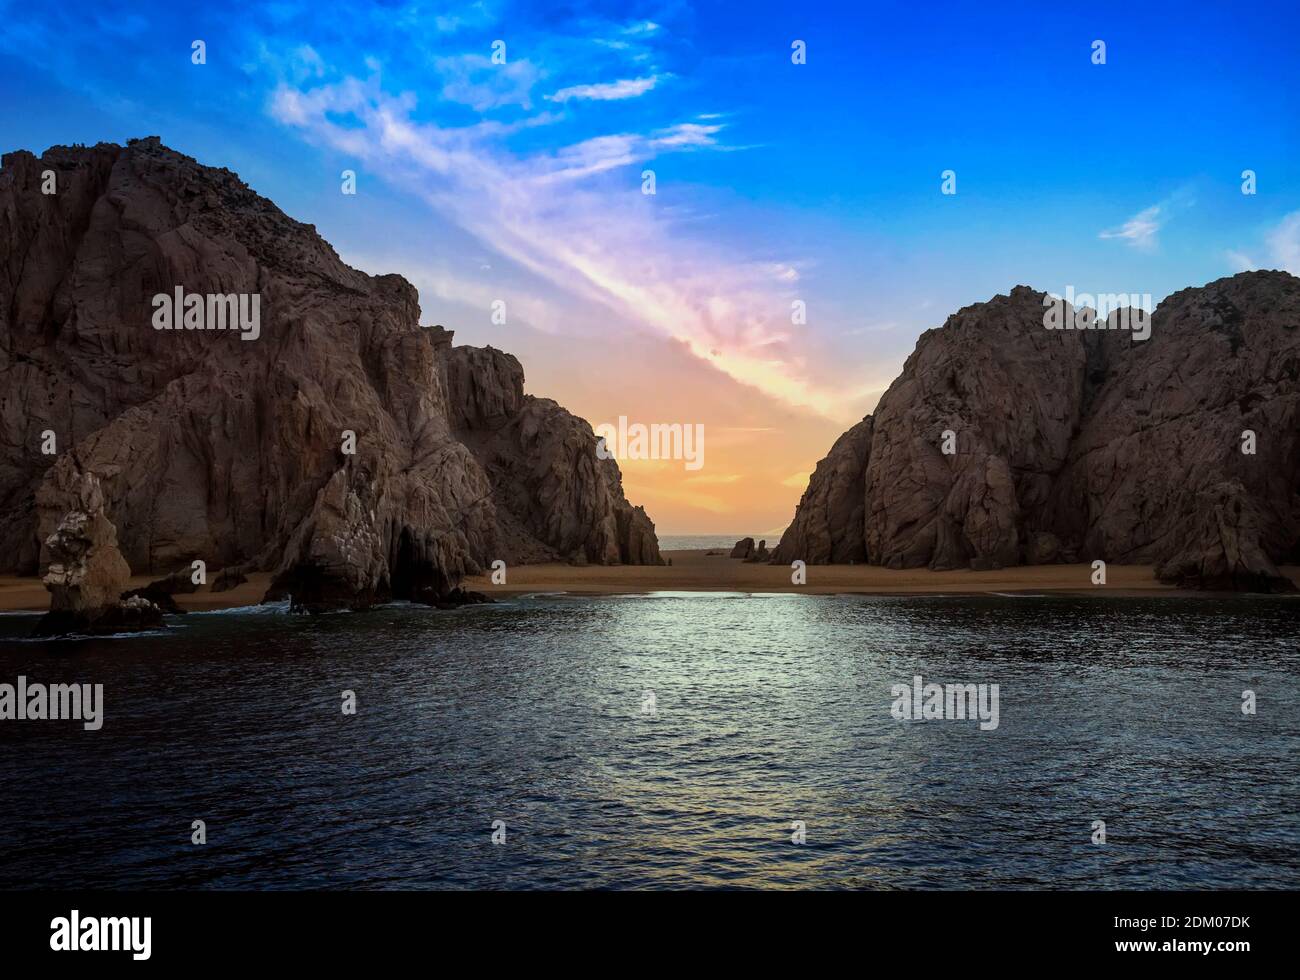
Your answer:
<point x="235" y="451"/>
<point x="86" y="572"/>
<point x="1078" y="445"/>
<point x="557" y="499"/>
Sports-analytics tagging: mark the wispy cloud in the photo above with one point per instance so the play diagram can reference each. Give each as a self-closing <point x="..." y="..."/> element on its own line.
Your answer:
<point x="1240" y="261"/>
<point x="473" y="80"/>
<point x="1140" y="230"/>
<point x="1281" y="247"/>
<point x="624" y="88"/>
<point x="601" y="153"/>
<point x="600" y="240"/>
<point x="1284" y="243"/>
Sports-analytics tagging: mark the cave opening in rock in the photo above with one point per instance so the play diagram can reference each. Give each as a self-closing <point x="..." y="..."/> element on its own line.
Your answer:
<point x="414" y="574"/>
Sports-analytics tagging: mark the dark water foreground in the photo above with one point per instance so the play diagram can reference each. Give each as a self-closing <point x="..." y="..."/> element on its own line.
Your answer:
<point x="770" y="709"/>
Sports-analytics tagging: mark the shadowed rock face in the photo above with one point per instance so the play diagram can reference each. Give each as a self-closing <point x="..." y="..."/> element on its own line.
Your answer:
<point x="86" y="573"/>
<point x="743" y="548"/>
<point x="1078" y="445"/>
<point x="209" y="446"/>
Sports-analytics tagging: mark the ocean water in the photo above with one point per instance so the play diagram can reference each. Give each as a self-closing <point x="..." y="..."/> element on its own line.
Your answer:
<point x="767" y="710"/>
<point x="701" y="542"/>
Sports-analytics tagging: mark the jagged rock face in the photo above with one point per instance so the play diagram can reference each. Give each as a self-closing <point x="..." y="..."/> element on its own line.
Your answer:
<point x="1077" y="445"/>
<point x="1224" y="549"/>
<point x="1009" y="392"/>
<point x="557" y="499"/>
<point x="1164" y="432"/>
<point x="234" y="451"/>
<point x="86" y="573"/>
<point x="486" y="388"/>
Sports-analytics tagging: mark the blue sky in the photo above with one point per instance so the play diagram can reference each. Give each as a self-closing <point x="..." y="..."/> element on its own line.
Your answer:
<point x="775" y="182"/>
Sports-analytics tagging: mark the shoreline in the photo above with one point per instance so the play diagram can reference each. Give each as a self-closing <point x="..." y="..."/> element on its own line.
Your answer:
<point x="27" y="594"/>
<point x="702" y="571"/>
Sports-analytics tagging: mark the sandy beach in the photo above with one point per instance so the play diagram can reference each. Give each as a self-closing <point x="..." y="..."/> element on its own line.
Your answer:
<point x="702" y="571"/>
<point x="18" y="594"/>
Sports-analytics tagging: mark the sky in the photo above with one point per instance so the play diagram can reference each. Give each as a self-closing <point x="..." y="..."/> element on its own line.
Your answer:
<point x="501" y="153"/>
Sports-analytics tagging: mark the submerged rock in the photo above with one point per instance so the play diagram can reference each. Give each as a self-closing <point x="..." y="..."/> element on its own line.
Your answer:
<point x="229" y="578"/>
<point x="454" y="599"/>
<point x="163" y="600"/>
<point x="161" y="591"/>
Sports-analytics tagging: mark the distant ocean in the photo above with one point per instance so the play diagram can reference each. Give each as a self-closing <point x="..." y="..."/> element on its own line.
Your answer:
<point x="696" y="542"/>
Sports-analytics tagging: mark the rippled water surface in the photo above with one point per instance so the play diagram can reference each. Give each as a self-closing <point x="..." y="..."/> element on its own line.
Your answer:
<point x="770" y="709"/>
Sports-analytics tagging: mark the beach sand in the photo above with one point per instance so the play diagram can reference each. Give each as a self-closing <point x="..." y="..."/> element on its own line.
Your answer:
<point x="28" y="593"/>
<point x="701" y="571"/>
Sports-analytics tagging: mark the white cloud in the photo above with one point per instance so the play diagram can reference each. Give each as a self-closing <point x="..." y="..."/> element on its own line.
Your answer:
<point x="473" y="80"/>
<point x="783" y="271"/>
<point x="1140" y="230"/>
<point x="624" y="88"/>
<point x="1284" y="244"/>
<point x="686" y="134"/>
<point x="1281" y="245"/>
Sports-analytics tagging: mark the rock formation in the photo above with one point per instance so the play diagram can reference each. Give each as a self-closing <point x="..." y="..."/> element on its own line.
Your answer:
<point x="1075" y="445"/>
<point x="559" y="501"/>
<point x="353" y="453"/>
<point x="743" y="549"/>
<point x="86" y="573"/>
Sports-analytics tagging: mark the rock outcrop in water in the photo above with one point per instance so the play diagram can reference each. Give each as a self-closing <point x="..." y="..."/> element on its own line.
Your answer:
<point x="1074" y="445"/>
<point x="347" y="449"/>
<point x="86" y="572"/>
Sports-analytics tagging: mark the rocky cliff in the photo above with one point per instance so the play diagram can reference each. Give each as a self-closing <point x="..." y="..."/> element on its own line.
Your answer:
<point x="341" y="445"/>
<point x="1074" y="445"/>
